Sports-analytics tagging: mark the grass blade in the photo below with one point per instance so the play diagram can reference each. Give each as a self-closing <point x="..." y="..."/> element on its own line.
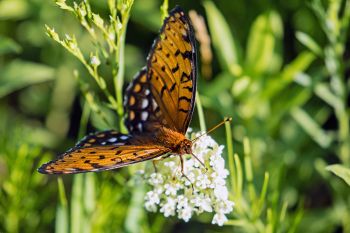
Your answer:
<point x="219" y="29"/>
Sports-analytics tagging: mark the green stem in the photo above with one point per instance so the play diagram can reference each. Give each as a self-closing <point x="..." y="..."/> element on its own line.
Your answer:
<point x="337" y="40"/>
<point x="249" y="169"/>
<point x="77" y="211"/>
<point x="119" y="78"/>
<point x="343" y="135"/>
<point x="84" y="119"/>
<point x="77" y="206"/>
<point x="164" y="9"/>
<point x="100" y="81"/>
<point x="61" y="221"/>
<point x="200" y="113"/>
<point x="230" y="155"/>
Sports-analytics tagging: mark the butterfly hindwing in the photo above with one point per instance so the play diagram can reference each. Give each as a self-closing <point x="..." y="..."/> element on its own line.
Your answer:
<point x="103" y="138"/>
<point x="141" y="109"/>
<point x="171" y="70"/>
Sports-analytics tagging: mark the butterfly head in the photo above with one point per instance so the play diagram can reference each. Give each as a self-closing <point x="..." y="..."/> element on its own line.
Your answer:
<point x="184" y="147"/>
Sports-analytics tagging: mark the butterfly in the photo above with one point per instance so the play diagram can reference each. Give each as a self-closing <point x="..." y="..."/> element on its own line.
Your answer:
<point x="158" y="103"/>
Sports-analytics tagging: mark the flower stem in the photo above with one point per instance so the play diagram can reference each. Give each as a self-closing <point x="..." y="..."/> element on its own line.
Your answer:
<point x="200" y="113"/>
<point x="120" y="66"/>
<point x="230" y="155"/>
<point x="164" y="9"/>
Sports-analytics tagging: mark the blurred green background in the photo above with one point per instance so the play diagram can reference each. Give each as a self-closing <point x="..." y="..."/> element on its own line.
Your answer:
<point x="279" y="68"/>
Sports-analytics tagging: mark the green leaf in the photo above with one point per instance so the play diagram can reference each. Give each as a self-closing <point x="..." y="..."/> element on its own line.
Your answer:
<point x="264" y="44"/>
<point x="8" y="45"/>
<point x="61" y="224"/>
<point x="223" y="40"/>
<point x="221" y="82"/>
<point x="311" y="127"/>
<point x="20" y="74"/>
<point x="14" y="9"/>
<point x="89" y="200"/>
<point x="323" y="91"/>
<point x="289" y="74"/>
<point x="309" y="43"/>
<point x="135" y="215"/>
<point x="149" y="8"/>
<point x="340" y="171"/>
<point x="102" y="117"/>
<point x="77" y="207"/>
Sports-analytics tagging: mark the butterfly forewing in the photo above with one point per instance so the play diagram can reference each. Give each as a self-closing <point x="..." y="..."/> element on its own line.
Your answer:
<point x="103" y="151"/>
<point x="171" y="70"/>
<point x="101" y="158"/>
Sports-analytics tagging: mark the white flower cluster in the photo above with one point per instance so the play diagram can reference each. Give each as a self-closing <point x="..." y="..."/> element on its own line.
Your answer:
<point x="204" y="190"/>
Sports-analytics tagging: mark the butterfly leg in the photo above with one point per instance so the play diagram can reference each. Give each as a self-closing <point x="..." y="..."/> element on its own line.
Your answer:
<point x="154" y="162"/>
<point x="183" y="173"/>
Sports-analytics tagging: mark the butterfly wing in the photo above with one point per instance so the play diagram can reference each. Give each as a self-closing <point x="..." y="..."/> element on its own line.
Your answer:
<point x="171" y="70"/>
<point x="141" y="109"/>
<point x="103" y="138"/>
<point x="163" y="93"/>
<point x="103" y="151"/>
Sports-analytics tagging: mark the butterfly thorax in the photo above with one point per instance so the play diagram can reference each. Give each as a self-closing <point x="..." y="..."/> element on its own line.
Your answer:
<point x="173" y="140"/>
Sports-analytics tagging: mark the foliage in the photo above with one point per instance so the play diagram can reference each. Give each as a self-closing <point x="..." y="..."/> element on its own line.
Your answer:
<point x="280" y="69"/>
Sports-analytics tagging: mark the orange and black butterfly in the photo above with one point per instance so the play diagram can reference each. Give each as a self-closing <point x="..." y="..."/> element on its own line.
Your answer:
<point x="159" y="105"/>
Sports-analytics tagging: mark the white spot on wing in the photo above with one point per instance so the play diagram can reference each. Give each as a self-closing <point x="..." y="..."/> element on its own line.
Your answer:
<point x="147" y="92"/>
<point x="144" y="103"/>
<point x="112" y="139"/>
<point x="123" y="137"/>
<point x="119" y="144"/>
<point x="144" y="116"/>
<point x="139" y="126"/>
<point x="103" y="143"/>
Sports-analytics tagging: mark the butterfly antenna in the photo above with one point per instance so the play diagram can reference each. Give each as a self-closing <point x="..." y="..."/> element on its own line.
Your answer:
<point x="214" y="128"/>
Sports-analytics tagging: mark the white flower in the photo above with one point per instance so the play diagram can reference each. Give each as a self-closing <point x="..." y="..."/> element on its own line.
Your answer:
<point x="202" y="202"/>
<point x="219" y="219"/>
<point x="152" y="200"/>
<point x="202" y="190"/>
<point x="202" y="181"/>
<point x="206" y="205"/>
<point x="168" y="208"/>
<point x="95" y="61"/>
<point x="221" y="192"/>
<point x="171" y="189"/>
<point x="111" y="36"/>
<point x="185" y="213"/>
<point x="182" y="202"/>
